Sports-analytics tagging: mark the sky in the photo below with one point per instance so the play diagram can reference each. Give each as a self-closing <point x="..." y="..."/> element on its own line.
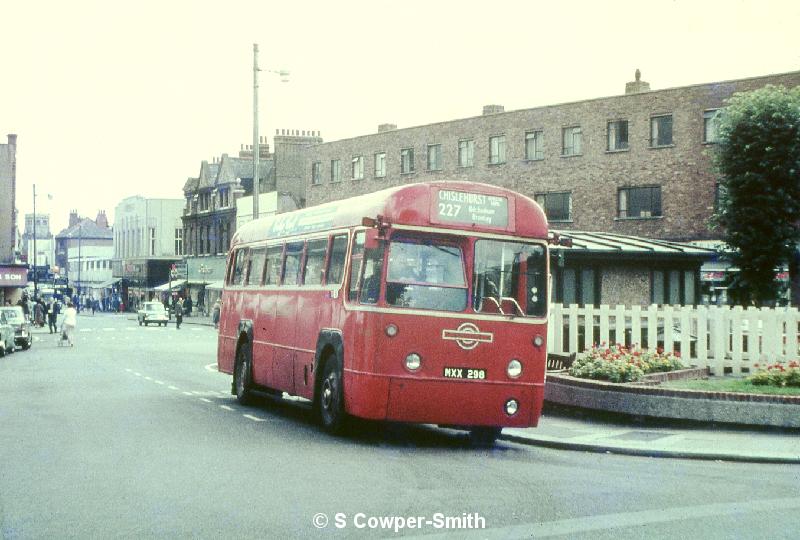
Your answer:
<point x="113" y="99"/>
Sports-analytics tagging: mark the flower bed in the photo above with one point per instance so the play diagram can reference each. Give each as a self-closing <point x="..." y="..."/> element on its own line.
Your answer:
<point x="777" y="375"/>
<point x="618" y="363"/>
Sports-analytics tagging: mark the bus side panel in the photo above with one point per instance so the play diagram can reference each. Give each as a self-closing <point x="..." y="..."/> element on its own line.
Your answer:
<point x="283" y="336"/>
<point x="314" y="309"/>
<point x="226" y="340"/>
<point x="263" y="351"/>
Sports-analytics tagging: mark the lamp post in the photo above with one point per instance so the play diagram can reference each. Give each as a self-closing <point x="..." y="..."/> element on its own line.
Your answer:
<point x="284" y="74"/>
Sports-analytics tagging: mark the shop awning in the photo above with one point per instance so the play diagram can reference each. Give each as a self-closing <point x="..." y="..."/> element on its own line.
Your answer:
<point x="176" y="284"/>
<point x="215" y="285"/>
<point x="106" y="284"/>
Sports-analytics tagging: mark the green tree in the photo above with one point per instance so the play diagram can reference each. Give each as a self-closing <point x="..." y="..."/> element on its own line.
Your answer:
<point x="758" y="158"/>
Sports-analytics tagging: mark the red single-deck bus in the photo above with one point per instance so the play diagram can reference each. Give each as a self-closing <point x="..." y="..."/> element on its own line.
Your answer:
<point x="423" y="303"/>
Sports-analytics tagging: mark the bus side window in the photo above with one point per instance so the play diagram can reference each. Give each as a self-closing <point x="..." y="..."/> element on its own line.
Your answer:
<point x="272" y="267"/>
<point x="291" y="267"/>
<point x="371" y="284"/>
<point x="256" y="266"/>
<point x="336" y="260"/>
<point x="315" y="259"/>
<point x="355" y="265"/>
<point x="239" y="266"/>
<point x="231" y="266"/>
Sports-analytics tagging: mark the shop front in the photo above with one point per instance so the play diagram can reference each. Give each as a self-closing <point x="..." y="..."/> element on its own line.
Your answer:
<point x="13" y="280"/>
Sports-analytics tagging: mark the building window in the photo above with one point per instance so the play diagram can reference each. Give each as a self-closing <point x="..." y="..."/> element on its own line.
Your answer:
<point x="380" y="165"/>
<point x="557" y="206"/>
<point x="406" y="160"/>
<point x="673" y="287"/>
<point x="435" y="157"/>
<point x="316" y="173"/>
<point x="571" y="141"/>
<point x="336" y="172"/>
<point x="358" y="168"/>
<point x="178" y="241"/>
<point x="497" y="149"/>
<point x="534" y="149"/>
<point x="661" y="130"/>
<point x="617" y="135"/>
<point x="639" y="202"/>
<point x="711" y="126"/>
<point x="152" y="240"/>
<point x="577" y="286"/>
<point x="466" y="153"/>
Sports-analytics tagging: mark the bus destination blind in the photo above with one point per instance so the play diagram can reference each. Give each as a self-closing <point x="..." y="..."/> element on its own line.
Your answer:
<point x="472" y="209"/>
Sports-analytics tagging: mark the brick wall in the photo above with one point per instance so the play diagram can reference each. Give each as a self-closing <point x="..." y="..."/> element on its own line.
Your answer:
<point x="683" y="169"/>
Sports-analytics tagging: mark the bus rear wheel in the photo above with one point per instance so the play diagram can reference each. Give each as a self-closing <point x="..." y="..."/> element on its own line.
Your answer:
<point x="483" y="437"/>
<point x="241" y="375"/>
<point x="330" y="400"/>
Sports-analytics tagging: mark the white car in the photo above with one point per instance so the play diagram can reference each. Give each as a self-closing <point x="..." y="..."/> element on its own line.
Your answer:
<point x="6" y="336"/>
<point x="153" y="312"/>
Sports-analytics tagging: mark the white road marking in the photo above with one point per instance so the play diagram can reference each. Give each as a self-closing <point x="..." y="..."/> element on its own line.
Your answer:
<point x="206" y="400"/>
<point x="159" y="382"/>
<point x="254" y="418"/>
<point x="226" y="408"/>
<point x="187" y="393"/>
<point x="84" y="330"/>
<point x="148" y="378"/>
<point x="109" y="329"/>
<point x="212" y="367"/>
<point x="173" y="387"/>
<point x="195" y="392"/>
<point x="129" y="370"/>
<point x="137" y="373"/>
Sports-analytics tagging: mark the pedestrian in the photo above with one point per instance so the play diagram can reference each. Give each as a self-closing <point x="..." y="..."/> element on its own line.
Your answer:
<point x="52" y="315"/>
<point x="38" y="314"/>
<point x="215" y="313"/>
<point x="23" y="303"/>
<point x="178" y="313"/>
<point x="70" y="322"/>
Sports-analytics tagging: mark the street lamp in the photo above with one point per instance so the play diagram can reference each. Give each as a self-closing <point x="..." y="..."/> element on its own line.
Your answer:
<point x="284" y="74"/>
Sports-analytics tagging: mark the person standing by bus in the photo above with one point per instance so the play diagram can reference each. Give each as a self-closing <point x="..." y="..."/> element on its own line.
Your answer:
<point x="215" y="313"/>
<point x="52" y="315"/>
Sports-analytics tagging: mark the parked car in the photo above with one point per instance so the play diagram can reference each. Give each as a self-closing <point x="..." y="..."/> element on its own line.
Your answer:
<point x="22" y="328"/>
<point x="6" y="336"/>
<point x="153" y="312"/>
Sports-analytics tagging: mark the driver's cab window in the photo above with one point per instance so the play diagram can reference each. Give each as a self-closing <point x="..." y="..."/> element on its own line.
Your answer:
<point x="356" y="256"/>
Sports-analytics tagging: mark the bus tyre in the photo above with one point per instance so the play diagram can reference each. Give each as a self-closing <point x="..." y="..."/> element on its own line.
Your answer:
<point x="330" y="401"/>
<point x="242" y="375"/>
<point x="483" y="437"/>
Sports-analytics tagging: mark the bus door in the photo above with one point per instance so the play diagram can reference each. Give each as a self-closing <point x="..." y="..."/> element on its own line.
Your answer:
<point x="285" y="325"/>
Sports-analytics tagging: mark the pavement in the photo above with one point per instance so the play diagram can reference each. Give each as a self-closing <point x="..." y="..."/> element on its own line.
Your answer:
<point x="589" y="432"/>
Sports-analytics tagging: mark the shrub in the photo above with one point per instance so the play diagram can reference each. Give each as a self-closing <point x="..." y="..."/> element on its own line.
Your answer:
<point x="619" y="363"/>
<point x="777" y="374"/>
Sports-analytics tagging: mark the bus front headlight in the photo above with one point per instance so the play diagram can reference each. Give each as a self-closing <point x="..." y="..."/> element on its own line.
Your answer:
<point x="413" y="362"/>
<point x="512" y="407"/>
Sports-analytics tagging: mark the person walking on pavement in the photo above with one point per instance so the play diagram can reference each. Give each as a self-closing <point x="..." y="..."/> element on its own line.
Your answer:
<point x="52" y="315"/>
<point x="215" y="313"/>
<point x="70" y="322"/>
<point x="178" y="313"/>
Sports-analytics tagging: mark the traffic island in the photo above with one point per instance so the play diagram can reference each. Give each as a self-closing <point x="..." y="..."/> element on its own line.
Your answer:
<point x="645" y="398"/>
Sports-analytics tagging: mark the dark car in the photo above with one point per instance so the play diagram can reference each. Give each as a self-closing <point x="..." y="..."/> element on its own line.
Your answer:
<point x="22" y="330"/>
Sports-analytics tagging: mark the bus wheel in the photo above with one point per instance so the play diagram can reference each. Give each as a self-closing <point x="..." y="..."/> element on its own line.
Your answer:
<point x="483" y="437"/>
<point x="241" y="375"/>
<point x="330" y="401"/>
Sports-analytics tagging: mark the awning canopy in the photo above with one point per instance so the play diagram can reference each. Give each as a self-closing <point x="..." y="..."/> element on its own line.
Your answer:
<point x="105" y="284"/>
<point x="215" y="285"/>
<point x="176" y="284"/>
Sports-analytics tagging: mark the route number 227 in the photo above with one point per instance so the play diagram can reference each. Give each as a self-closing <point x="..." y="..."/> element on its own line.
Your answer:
<point x="449" y="210"/>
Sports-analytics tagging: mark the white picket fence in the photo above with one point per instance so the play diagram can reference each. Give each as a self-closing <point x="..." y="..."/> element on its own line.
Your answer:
<point x="727" y="340"/>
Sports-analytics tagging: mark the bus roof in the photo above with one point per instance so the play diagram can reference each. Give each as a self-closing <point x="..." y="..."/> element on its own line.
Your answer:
<point x="453" y="205"/>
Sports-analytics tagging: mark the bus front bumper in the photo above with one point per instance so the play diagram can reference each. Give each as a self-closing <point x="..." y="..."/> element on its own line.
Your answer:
<point x="435" y="401"/>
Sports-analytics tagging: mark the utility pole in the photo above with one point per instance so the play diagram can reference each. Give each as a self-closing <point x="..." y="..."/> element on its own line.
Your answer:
<point x="35" y="285"/>
<point x="256" y="148"/>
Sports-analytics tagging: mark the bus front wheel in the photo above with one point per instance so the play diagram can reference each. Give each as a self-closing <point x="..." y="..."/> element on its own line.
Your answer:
<point x="241" y="375"/>
<point x="330" y="401"/>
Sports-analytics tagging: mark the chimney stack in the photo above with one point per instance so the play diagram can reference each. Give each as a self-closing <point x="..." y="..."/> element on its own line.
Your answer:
<point x="73" y="218"/>
<point x="493" y="109"/>
<point x="638" y="85"/>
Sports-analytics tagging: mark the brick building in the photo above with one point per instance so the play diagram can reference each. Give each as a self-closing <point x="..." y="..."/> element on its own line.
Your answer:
<point x="13" y="274"/>
<point x="634" y="164"/>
